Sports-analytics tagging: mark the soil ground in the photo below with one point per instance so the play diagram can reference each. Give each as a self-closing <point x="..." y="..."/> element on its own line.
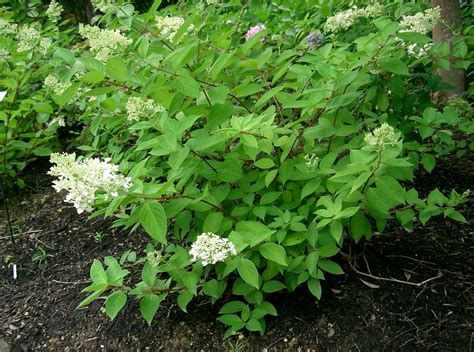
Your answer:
<point x="356" y="313"/>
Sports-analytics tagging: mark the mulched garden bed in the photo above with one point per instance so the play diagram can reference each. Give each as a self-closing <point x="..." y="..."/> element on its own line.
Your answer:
<point x="358" y="312"/>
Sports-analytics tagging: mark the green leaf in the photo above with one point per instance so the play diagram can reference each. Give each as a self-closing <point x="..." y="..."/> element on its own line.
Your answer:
<point x="91" y="298"/>
<point x="319" y="132"/>
<point x="42" y="151"/>
<point x="232" y="307"/>
<point x="221" y="63"/>
<point x="248" y="272"/>
<point x="254" y="325"/>
<point x="66" y="55"/>
<point x="328" y="250"/>
<point x="114" y="303"/>
<point x="230" y="319"/>
<point x="310" y="187"/>
<point x="213" y="222"/>
<point x="183" y="300"/>
<point x="312" y="262"/>
<point x="273" y="286"/>
<point x="149" y="305"/>
<point x="455" y="215"/>
<point x="270" y="176"/>
<point x="151" y="12"/>
<point x="360" y="226"/>
<point x="265" y="163"/>
<point x="394" y="65"/>
<point x="391" y="189"/>
<point x="43" y="108"/>
<point x="253" y="232"/>
<point x="273" y="252"/>
<point x="116" y="68"/>
<point x="153" y="219"/>
<point x="214" y="288"/>
<point x="429" y="162"/>
<point x="97" y="273"/>
<point x="330" y="267"/>
<point x="188" y="86"/>
<point x="314" y="286"/>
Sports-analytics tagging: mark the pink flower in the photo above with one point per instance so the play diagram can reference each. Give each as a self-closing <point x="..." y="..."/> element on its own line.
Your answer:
<point x="254" y="30"/>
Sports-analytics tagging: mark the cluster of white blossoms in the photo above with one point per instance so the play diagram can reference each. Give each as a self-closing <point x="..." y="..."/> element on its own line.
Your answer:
<point x="4" y="55"/>
<point x="343" y="20"/>
<point x="168" y="25"/>
<point x="7" y="27"/>
<point x="417" y="50"/>
<point x="52" y="83"/>
<point x="103" y="5"/>
<point x="83" y="179"/>
<point x="27" y="38"/>
<point x="311" y="160"/>
<point x="104" y="42"/>
<point x="421" y="22"/>
<point x="210" y="249"/>
<point x="54" y="10"/>
<point x="57" y="121"/>
<point x="381" y="136"/>
<point x="139" y="108"/>
<point x="44" y="45"/>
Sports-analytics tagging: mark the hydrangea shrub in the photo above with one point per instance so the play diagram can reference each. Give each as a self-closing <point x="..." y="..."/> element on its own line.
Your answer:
<point x="250" y="143"/>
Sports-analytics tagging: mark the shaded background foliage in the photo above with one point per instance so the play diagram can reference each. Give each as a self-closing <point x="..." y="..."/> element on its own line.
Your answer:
<point x="82" y="10"/>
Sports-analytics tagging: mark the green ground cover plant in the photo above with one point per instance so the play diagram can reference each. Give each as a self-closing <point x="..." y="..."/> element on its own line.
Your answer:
<point x="250" y="141"/>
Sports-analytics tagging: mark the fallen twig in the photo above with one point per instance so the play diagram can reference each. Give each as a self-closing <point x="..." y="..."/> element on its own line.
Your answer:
<point x="72" y="282"/>
<point x="417" y="284"/>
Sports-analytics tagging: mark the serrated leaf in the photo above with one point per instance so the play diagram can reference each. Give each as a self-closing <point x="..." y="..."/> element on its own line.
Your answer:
<point x="149" y="305"/>
<point x="330" y="267"/>
<point x="153" y="219"/>
<point x="314" y="286"/>
<point x="114" y="303"/>
<point x="248" y="272"/>
<point x="183" y="300"/>
<point x="273" y="252"/>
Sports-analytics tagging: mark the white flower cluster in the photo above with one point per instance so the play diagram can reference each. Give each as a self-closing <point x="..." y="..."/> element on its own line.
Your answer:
<point x="343" y="20"/>
<point x="83" y="179"/>
<point x="311" y="160"/>
<point x="44" y="45"/>
<point x="54" y="10"/>
<point x="168" y="26"/>
<point x="210" y="249"/>
<point x="4" y="55"/>
<point x="7" y="27"/>
<point x="421" y="22"/>
<point x="103" y="5"/>
<point x="52" y="82"/>
<point x="104" y="42"/>
<point x="139" y="108"/>
<point x="381" y="136"/>
<point x="27" y="38"/>
<point x="418" y="51"/>
<point x="373" y="10"/>
<point x="58" y="121"/>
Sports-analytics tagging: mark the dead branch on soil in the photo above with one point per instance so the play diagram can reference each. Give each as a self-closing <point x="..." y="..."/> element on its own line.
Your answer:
<point x="417" y="284"/>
